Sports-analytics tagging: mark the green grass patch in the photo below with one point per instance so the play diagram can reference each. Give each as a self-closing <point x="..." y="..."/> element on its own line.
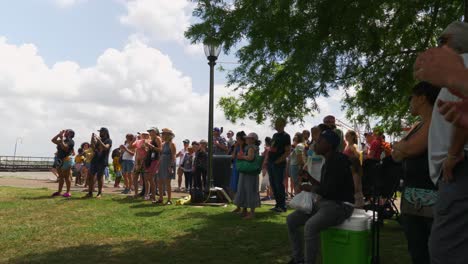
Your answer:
<point x="35" y="228"/>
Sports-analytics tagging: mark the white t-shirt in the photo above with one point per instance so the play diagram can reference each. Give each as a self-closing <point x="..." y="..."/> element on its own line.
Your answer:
<point x="440" y="134"/>
<point x="181" y="159"/>
<point x="298" y="150"/>
<point x="126" y="155"/>
<point x="314" y="163"/>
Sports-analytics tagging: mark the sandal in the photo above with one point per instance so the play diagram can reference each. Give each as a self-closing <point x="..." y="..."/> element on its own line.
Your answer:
<point x="248" y="216"/>
<point x="55" y="194"/>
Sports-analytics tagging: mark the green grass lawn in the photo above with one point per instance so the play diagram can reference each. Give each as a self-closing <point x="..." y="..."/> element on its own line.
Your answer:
<point x="37" y="229"/>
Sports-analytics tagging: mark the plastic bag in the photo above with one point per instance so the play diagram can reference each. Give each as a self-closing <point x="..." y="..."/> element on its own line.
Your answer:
<point x="303" y="202"/>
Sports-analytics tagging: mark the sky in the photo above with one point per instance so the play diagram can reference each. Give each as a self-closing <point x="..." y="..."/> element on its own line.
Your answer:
<point x="121" y="64"/>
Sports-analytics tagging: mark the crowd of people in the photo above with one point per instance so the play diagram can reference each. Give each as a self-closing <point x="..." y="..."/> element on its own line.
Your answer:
<point x="324" y="160"/>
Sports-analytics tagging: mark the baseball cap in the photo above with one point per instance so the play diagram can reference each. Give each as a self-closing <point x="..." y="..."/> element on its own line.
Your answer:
<point x="252" y="135"/>
<point x="186" y="141"/>
<point x="155" y="129"/>
<point x="331" y="137"/>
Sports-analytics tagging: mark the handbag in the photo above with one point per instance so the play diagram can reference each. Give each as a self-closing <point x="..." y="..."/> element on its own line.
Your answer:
<point x="418" y="202"/>
<point x="253" y="166"/>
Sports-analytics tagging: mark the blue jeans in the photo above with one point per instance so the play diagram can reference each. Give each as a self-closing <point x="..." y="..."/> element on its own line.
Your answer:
<point x="276" y="173"/>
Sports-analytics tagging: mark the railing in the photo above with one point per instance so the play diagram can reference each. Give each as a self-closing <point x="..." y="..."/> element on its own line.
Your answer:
<point x="11" y="163"/>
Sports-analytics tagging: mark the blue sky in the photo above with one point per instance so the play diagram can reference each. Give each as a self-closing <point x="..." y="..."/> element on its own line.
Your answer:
<point x="123" y="64"/>
<point x="84" y="31"/>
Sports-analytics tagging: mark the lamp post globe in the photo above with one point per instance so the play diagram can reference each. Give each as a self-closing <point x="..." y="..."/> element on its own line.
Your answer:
<point x="212" y="53"/>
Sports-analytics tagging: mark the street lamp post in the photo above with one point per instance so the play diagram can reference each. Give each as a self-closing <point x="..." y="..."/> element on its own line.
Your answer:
<point x="20" y="140"/>
<point x="212" y="53"/>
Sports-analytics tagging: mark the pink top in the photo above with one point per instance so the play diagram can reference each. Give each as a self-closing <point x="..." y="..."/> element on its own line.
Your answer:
<point x="348" y="152"/>
<point x="140" y="149"/>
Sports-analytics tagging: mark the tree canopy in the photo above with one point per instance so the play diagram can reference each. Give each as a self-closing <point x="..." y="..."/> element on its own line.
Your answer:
<point x="291" y="52"/>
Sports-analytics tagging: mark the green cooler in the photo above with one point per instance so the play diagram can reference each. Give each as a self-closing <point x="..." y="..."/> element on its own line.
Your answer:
<point x="350" y="242"/>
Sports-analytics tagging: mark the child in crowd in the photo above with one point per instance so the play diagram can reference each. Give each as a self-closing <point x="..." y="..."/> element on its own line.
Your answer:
<point x="88" y="156"/>
<point x="79" y="163"/>
<point x="187" y="166"/>
<point x="116" y="155"/>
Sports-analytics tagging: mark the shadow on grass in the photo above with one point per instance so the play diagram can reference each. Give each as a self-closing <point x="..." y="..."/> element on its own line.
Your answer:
<point x="219" y="238"/>
<point x="148" y="214"/>
<point x="35" y="198"/>
<point x="127" y="200"/>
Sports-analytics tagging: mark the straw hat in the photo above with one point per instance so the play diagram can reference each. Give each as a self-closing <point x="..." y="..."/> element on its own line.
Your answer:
<point x="167" y="131"/>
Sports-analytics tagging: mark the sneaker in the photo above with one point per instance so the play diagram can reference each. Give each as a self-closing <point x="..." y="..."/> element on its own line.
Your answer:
<point x="67" y="195"/>
<point x="266" y="198"/>
<point x="279" y="210"/>
<point x="55" y="194"/>
<point x="88" y="195"/>
<point x="273" y="209"/>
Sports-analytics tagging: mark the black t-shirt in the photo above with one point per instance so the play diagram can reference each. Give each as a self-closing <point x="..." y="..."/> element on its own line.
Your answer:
<point x="152" y="154"/>
<point x="101" y="155"/>
<point x="279" y="143"/>
<point x="61" y="153"/>
<point x="336" y="182"/>
<point x="201" y="160"/>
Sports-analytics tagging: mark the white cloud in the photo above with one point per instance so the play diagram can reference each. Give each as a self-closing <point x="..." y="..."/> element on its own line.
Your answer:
<point x="161" y="20"/>
<point x="67" y="3"/>
<point x="127" y="91"/>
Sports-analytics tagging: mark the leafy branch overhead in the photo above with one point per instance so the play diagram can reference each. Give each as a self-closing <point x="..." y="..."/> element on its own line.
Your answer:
<point x="293" y="51"/>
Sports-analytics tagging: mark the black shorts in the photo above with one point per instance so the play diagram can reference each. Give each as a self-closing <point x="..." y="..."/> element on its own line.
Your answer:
<point x="97" y="169"/>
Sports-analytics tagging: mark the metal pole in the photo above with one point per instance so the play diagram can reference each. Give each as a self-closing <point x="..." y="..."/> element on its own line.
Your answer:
<point x="14" y="153"/>
<point x="212" y="63"/>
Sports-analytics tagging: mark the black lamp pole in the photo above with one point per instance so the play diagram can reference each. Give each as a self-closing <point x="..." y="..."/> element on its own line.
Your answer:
<point x="465" y="18"/>
<point x="212" y="53"/>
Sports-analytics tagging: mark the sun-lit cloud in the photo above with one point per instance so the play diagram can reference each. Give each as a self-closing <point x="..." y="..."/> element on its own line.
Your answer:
<point x="161" y="21"/>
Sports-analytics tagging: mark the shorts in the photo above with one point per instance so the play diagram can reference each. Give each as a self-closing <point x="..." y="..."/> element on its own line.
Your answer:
<point x="153" y="168"/>
<point x="78" y="167"/>
<point x="97" y="169"/>
<point x="127" y="166"/>
<point x="87" y="165"/>
<point x="118" y="174"/>
<point x="67" y="164"/>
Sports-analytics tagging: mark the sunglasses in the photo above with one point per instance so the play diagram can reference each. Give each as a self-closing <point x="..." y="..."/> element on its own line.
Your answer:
<point x="441" y="41"/>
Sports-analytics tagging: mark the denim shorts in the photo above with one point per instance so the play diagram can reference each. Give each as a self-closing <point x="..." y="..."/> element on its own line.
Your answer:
<point x="127" y="166"/>
<point x="67" y="164"/>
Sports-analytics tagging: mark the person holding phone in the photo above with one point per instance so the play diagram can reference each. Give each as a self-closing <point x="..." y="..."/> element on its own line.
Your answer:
<point x="101" y="145"/>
